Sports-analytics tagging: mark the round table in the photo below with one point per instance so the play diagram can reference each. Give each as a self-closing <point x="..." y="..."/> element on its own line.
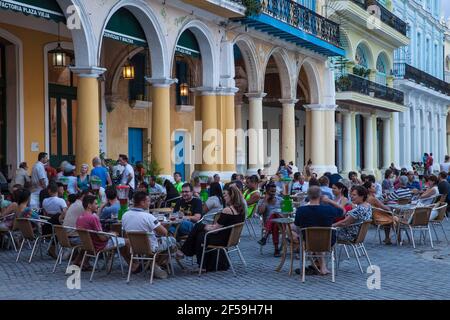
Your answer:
<point x="286" y="233"/>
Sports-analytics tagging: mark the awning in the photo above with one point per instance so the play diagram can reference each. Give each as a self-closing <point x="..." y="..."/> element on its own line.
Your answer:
<point x="124" y="27"/>
<point x="187" y="45"/>
<point x="47" y="9"/>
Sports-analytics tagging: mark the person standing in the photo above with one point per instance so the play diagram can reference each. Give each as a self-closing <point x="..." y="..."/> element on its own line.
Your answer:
<point x="21" y="176"/>
<point x="100" y="172"/>
<point x="39" y="179"/>
<point x="83" y="179"/>
<point x="127" y="174"/>
<point x="178" y="181"/>
<point x="430" y="162"/>
<point x="445" y="166"/>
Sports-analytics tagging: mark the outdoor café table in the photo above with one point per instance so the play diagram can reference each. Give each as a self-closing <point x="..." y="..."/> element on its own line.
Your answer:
<point x="286" y="233"/>
<point x="161" y="210"/>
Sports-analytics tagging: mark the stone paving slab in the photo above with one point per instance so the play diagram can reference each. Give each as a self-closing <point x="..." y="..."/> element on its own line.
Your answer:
<point x="406" y="273"/>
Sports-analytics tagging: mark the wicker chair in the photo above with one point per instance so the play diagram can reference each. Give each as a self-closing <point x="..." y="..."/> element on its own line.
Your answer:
<point x="317" y="240"/>
<point x="231" y="246"/>
<point x="9" y="233"/>
<point x="64" y="244"/>
<point x="141" y="250"/>
<point x="25" y="227"/>
<point x="419" y="221"/>
<point x="442" y="209"/>
<point x="358" y="245"/>
<point x="89" y="250"/>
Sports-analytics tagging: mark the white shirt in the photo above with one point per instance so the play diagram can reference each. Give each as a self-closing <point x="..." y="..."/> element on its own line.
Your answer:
<point x="70" y="220"/>
<point x="445" y="166"/>
<point x="157" y="189"/>
<point x="21" y="177"/>
<point x="72" y="185"/>
<point x="54" y="205"/>
<point x="127" y="172"/>
<point x="378" y="190"/>
<point x="137" y="219"/>
<point x="38" y="173"/>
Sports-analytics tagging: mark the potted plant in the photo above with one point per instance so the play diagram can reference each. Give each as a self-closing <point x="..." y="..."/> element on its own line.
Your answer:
<point x="343" y="83"/>
<point x="253" y="7"/>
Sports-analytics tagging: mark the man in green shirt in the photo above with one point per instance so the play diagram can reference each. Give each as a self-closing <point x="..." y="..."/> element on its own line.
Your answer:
<point x="178" y="181"/>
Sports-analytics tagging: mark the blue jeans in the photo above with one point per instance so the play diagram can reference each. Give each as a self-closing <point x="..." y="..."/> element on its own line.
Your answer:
<point x="185" y="228"/>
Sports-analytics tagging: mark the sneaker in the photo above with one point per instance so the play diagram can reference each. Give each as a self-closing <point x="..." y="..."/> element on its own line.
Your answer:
<point x="160" y="273"/>
<point x="263" y="241"/>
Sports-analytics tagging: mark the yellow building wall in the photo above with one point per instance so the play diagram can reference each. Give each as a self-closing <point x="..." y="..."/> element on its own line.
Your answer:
<point x="33" y="87"/>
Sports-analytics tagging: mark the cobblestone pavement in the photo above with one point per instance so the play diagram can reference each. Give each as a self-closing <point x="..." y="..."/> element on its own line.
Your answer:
<point x="406" y="273"/>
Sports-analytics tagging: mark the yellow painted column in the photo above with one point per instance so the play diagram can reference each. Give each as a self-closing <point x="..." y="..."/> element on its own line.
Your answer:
<point x="210" y="133"/>
<point x="229" y="134"/>
<point x="288" y="130"/>
<point x="160" y="141"/>
<point x="88" y="115"/>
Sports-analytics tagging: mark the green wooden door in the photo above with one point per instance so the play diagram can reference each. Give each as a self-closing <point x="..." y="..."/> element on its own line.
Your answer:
<point x="62" y="119"/>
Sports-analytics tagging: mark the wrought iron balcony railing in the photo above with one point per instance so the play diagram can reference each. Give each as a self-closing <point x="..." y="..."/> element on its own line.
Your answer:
<point x="406" y="71"/>
<point x="353" y="83"/>
<point x="385" y="15"/>
<point x="302" y="18"/>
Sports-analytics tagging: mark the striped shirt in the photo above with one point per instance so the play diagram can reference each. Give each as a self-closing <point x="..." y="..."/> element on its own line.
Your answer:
<point x="401" y="193"/>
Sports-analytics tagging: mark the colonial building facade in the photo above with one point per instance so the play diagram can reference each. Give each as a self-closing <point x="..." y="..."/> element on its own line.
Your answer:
<point x="198" y="66"/>
<point x="177" y="82"/>
<point x="419" y="71"/>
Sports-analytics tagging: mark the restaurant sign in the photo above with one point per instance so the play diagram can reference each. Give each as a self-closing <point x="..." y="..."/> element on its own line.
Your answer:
<point x="33" y="10"/>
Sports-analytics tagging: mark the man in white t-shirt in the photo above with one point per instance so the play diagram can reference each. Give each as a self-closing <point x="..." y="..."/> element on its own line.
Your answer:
<point x="39" y="179"/>
<point x="139" y="219"/>
<point x="54" y="205"/>
<point x="446" y="165"/>
<point x="128" y="172"/>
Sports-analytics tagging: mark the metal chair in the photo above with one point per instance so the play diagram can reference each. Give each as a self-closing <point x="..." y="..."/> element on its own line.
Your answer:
<point x="64" y="244"/>
<point x="358" y="245"/>
<point x="141" y="250"/>
<point x="89" y="250"/>
<point x="419" y="221"/>
<point x="404" y="201"/>
<point x="231" y="246"/>
<point x="383" y="218"/>
<point x="9" y="233"/>
<point x="442" y="209"/>
<point x="317" y="240"/>
<point x="25" y="227"/>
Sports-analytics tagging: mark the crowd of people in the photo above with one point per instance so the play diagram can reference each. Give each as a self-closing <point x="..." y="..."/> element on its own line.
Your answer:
<point x="331" y="200"/>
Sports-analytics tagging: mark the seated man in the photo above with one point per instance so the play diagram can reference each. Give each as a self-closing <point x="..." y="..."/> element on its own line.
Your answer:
<point x="155" y="187"/>
<point x="317" y="215"/>
<point x="138" y="219"/>
<point x="111" y="208"/>
<point x="190" y="207"/>
<point x="266" y="208"/>
<point x="90" y="221"/>
<point x="403" y="192"/>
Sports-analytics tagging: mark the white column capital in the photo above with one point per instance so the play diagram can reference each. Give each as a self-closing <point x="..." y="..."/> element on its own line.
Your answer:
<point x="162" y="82"/>
<point x="205" y="91"/>
<point x="321" y="107"/>
<point x="223" y="91"/>
<point x="288" y="101"/>
<point x="255" y="95"/>
<point x="87" y="72"/>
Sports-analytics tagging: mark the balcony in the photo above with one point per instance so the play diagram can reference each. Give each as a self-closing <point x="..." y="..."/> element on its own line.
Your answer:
<point x="292" y="22"/>
<point x="359" y="90"/>
<point x="224" y="8"/>
<point x="405" y="71"/>
<point x="385" y="15"/>
<point x="371" y="17"/>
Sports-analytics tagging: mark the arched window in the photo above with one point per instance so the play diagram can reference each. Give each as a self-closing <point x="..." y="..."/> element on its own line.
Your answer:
<point x="382" y="70"/>
<point x="362" y="65"/>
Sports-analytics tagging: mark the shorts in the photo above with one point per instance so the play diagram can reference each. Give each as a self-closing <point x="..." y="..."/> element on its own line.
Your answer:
<point x="112" y="243"/>
<point x="165" y="243"/>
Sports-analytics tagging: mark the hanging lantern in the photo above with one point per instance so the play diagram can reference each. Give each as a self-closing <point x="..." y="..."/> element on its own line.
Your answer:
<point x="59" y="57"/>
<point x="128" y="71"/>
<point x="184" y="90"/>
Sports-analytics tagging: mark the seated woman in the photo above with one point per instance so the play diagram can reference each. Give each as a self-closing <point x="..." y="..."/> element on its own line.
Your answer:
<point x="432" y="192"/>
<point x="214" y="203"/>
<point x="340" y="193"/>
<point x="361" y="213"/>
<point x="384" y="218"/>
<point x="233" y="213"/>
